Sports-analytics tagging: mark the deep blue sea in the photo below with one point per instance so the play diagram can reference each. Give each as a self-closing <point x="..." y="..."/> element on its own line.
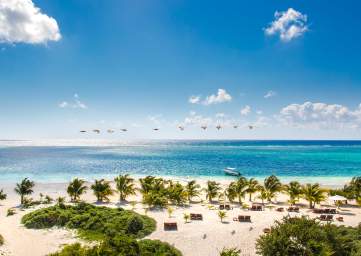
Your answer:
<point x="327" y="162"/>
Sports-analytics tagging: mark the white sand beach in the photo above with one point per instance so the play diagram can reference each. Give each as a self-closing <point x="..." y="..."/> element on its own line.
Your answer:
<point x="205" y="237"/>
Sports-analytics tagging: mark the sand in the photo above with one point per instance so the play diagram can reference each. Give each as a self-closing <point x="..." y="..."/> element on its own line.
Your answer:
<point x="206" y="237"/>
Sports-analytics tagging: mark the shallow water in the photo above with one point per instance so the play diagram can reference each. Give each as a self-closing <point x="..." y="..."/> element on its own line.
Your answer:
<point x="329" y="162"/>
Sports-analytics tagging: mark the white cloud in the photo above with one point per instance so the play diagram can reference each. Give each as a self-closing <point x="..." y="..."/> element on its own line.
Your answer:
<point x="76" y="103"/>
<point x="259" y="112"/>
<point x="288" y="25"/>
<point x="194" y="119"/>
<point x="22" y="22"/>
<point x="320" y="116"/>
<point x="194" y="99"/>
<point x="246" y="110"/>
<point x="222" y="96"/>
<point x="220" y="115"/>
<point x="269" y="94"/>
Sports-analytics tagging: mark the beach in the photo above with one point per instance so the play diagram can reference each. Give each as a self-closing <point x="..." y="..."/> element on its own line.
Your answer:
<point x="206" y="237"/>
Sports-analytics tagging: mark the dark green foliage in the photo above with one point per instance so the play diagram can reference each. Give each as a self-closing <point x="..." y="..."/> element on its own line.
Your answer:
<point x="121" y="246"/>
<point x="304" y="236"/>
<point x="93" y="222"/>
<point x="230" y="252"/>
<point x="1" y="240"/>
<point x="25" y="187"/>
<point x="2" y="195"/>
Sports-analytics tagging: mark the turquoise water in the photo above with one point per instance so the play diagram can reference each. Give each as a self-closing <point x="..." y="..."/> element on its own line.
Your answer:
<point x="324" y="161"/>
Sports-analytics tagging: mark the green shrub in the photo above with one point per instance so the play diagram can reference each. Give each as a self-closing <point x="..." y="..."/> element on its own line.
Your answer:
<point x="304" y="236"/>
<point x="10" y="212"/>
<point x="1" y="240"/>
<point x="121" y="245"/>
<point x="92" y="222"/>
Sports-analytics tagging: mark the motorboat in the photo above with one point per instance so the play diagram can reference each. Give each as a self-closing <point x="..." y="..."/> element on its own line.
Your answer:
<point x="231" y="171"/>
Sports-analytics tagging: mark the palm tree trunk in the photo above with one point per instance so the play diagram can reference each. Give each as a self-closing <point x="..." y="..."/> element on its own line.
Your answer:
<point x="250" y="197"/>
<point x="21" y="199"/>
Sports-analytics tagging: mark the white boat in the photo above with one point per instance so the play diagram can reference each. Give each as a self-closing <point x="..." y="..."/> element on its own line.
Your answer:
<point x="232" y="171"/>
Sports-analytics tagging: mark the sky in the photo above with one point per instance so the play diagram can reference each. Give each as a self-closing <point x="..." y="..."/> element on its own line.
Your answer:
<point x="288" y="69"/>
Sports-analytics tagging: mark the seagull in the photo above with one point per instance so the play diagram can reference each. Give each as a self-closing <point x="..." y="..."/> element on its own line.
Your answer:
<point x="218" y="127"/>
<point x="82" y="131"/>
<point x="250" y="127"/>
<point x="204" y="127"/>
<point x="123" y="130"/>
<point x="235" y="126"/>
<point x="110" y="131"/>
<point x="96" y="131"/>
<point x="181" y="128"/>
<point x="156" y="129"/>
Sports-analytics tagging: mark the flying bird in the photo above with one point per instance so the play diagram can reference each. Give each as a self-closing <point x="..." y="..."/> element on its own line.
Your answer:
<point x="110" y="131"/>
<point x="123" y="130"/>
<point x="218" y="127"/>
<point x="156" y="129"/>
<point x="96" y="131"/>
<point x="235" y="126"/>
<point x="204" y="127"/>
<point x="82" y="131"/>
<point x="181" y="128"/>
<point x="250" y="127"/>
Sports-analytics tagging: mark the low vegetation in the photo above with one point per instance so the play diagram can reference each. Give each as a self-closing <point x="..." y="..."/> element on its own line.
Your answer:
<point x="305" y="236"/>
<point x="2" y="195"/>
<point x="121" y="246"/>
<point x="117" y="230"/>
<point x="92" y="222"/>
<point x="1" y="240"/>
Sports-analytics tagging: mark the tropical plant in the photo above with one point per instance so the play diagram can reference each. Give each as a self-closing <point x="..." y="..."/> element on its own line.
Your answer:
<point x="302" y="236"/>
<point x="2" y="195"/>
<point x="252" y="187"/>
<point x="133" y="204"/>
<point x="75" y="189"/>
<point x="10" y="212"/>
<point x="102" y="190"/>
<point x="231" y="192"/>
<point x="125" y="186"/>
<point x="222" y="215"/>
<point x="230" y="252"/>
<point x="60" y="201"/>
<point x="186" y="217"/>
<point x="1" y="240"/>
<point x="170" y="211"/>
<point x="272" y="185"/>
<point x="176" y="193"/>
<point x="294" y="191"/>
<point x="212" y="189"/>
<point x="48" y="200"/>
<point x="240" y="187"/>
<point x="313" y="193"/>
<point x="193" y="189"/>
<point x="24" y="188"/>
<point x="263" y="193"/>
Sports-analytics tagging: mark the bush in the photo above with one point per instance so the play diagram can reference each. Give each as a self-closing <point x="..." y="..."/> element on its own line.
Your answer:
<point x="304" y="236"/>
<point x="92" y="222"/>
<point x="121" y="245"/>
<point x="10" y="212"/>
<point x="1" y="240"/>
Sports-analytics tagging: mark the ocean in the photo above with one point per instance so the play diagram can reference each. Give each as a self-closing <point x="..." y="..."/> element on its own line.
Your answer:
<point x="326" y="162"/>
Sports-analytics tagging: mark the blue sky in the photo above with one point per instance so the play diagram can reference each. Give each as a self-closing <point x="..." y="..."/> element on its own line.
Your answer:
<point x="135" y="64"/>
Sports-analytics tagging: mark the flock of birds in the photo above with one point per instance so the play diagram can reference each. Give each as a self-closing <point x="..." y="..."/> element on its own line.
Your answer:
<point x="182" y="128"/>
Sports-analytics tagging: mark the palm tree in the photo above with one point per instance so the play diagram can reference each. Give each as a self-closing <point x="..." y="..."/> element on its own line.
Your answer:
<point x="252" y="187"/>
<point x="24" y="188"/>
<point x="186" y="217"/>
<point x="170" y="210"/>
<point x="75" y="189"/>
<point x="222" y="215"/>
<point x="313" y="193"/>
<point x="125" y="186"/>
<point x="231" y="192"/>
<point x="263" y="193"/>
<point x="193" y="189"/>
<point x="102" y="190"/>
<point x="2" y="195"/>
<point x="212" y="190"/>
<point x="60" y="201"/>
<point x="241" y="188"/>
<point x="294" y="190"/>
<point x="273" y="185"/>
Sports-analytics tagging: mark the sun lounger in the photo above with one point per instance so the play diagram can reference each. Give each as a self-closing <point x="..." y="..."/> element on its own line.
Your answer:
<point x="170" y="226"/>
<point x="228" y="207"/>
<point x="267" y="230"/>
<point x="329" y="217"/>
<point x="243" y="218"/>
<point x="196" y="216"/>
<point x="322" y="217"/>
<point x="221" y="206"/>
<point x="256" y="208"/>
<point x="281" y="209"/>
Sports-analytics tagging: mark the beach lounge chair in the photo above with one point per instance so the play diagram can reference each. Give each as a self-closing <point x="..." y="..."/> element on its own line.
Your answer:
<point x="333" y="211"/>
<point x="221" y="206"/>
<point x="296" y="209"/>
<point x="290" y="209"/>
<point x="267" y="230"/>
<point x="322" y="217"/>
<point x="227" y="207"/>
<point x="329" y="217"/>
<point x="196" y="216"/>
<point x="170" y="226"/>
<point x="281" y="209"/>
<point x="243" y="218"/>
<point x="247" y="218"/>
